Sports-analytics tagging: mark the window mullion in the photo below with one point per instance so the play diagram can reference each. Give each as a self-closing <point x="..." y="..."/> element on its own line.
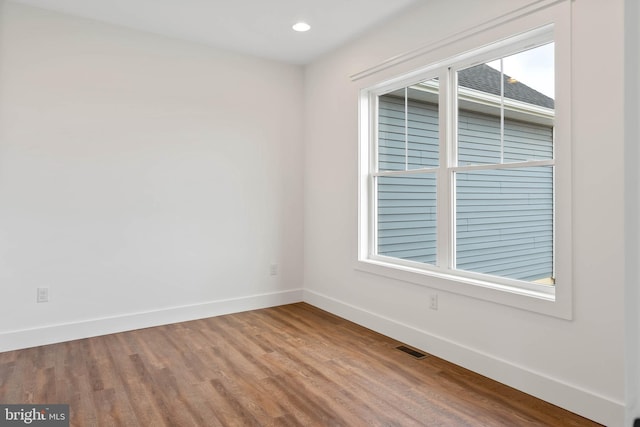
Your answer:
<point x="501" y="111"/>
<point x="453" y="162"/>
<point x="405" y="173"/>
<point x="444" y="207"/>
<point x="500" y="166"/>
<point x="406" y="128"/>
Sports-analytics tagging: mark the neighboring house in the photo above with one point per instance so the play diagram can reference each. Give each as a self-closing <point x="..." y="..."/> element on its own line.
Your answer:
<point x="503" y="227"/>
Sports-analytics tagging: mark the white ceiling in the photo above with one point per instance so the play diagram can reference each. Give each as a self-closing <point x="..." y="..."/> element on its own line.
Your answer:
<point x="256" y="27"/>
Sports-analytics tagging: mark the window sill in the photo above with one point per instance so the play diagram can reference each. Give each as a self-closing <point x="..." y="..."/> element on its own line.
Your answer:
<point x="549" y="304"/>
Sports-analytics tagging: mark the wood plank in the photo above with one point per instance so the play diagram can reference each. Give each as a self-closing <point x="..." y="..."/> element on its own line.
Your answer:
<point x="292" y="365"/>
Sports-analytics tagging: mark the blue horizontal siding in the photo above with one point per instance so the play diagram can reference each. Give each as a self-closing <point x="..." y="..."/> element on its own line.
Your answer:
<point x="504" y="222"/>
<point x="407" y="137"/>
<point x="407" y="217"/>
<point x="479" y="140"/>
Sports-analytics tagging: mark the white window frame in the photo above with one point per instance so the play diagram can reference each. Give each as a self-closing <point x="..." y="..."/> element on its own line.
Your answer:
<point x="550" y="300"/>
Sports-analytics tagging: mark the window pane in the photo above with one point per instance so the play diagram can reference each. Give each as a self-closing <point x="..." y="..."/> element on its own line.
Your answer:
<point x="529" y="76"/>
<point x="391" y="131"/>
<point x="407" y="217"/>
<point x="506" y="109"/>
<point x="423" y="138"/>
<point x="504" y="223"/>
<point x="527" y="141"/>
<point x="481" y="140"/>
<point x="408" y="136"/>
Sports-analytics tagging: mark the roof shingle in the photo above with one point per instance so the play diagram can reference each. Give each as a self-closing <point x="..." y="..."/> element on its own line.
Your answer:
<point x="487" y="79"/>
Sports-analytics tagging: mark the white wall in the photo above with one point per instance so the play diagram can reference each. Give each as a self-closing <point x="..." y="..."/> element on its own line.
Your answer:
<point x="632" y="211"/>
<point x="144" y="180"/>
<point x="577" y="364"/>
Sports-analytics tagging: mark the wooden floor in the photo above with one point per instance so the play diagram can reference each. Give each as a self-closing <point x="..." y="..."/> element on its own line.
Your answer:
<point x="292" y="365"/>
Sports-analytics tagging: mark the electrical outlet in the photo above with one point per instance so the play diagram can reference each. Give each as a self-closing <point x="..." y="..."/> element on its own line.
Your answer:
<point x="434" y="302"/>
<point x="43" y="295"/>
<point x="273" y="269"/>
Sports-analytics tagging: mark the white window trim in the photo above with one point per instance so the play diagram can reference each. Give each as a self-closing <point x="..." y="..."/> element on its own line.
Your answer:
<point x="553" y="301"/>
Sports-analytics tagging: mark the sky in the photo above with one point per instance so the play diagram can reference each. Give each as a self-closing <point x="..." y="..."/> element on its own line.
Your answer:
<point x="534" y="68"/>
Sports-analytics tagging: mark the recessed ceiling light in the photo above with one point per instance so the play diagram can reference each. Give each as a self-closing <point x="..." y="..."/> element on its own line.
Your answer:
<point x="301" y="27"/>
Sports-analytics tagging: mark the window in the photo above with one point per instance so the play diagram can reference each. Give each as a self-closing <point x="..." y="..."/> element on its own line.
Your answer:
<point x="460" y="179"/>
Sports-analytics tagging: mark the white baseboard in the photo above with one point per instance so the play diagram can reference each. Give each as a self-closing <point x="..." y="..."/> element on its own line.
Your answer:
<point x="51" y="334"/>
<point x="575" y="399"/>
